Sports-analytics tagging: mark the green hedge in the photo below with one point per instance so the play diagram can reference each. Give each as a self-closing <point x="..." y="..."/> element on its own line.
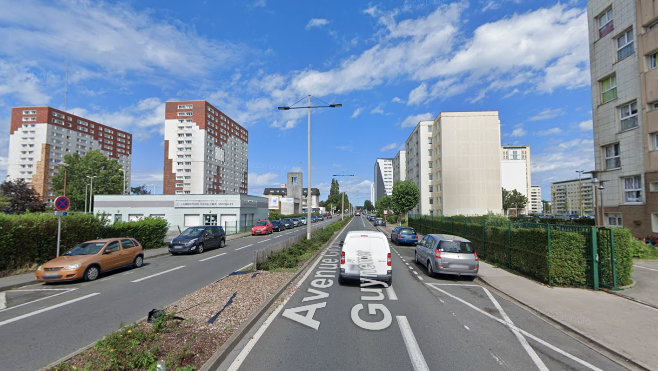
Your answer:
<point x="30" y="239"/>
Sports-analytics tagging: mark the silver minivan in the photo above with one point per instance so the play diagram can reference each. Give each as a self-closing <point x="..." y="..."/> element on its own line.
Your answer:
<point x="447" y="254"/>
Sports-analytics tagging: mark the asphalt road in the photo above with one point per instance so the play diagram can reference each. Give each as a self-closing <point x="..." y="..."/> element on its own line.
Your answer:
<point x="422" y="323"/>
<point x="645" y="275"/>
<point x="43" y="323"/>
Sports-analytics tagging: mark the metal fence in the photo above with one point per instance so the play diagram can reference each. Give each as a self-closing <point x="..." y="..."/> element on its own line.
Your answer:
<point x="236" y="227"/>
<point x="546" y="252"/>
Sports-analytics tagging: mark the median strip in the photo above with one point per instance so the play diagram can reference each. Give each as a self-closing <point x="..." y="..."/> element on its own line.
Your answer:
<point x="157" y="274"/>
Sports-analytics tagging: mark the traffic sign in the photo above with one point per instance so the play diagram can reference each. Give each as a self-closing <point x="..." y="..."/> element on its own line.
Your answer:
<point x="62" y="203"/>
<point x="61" y="213"/>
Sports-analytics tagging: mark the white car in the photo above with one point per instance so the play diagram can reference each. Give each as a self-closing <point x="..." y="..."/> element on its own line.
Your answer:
<point x="366" y="254"/>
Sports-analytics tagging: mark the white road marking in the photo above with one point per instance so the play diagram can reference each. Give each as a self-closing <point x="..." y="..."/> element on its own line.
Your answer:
<point x="416" y="356"/>
<point x="391" y="293"/>
<point x="240" y="248"/>
<point x="456" y="284"/>
<point x="406" y="263"/>
<point x="213" y="257"/>
<point x="34" y="301"/>
<point x="419" y="277"/>
<point x="416" y="273"/>
<point x="245" y="267"/>
<point x="466" y="327"/>
<point x="157" y="274"/>
<point x="43" y="290"/>
<point x="3" y="301"/>
<point x="651" y="269"/>
<point x="26" y="315"/>
<point x="525" y="333"/>
<point x="524" y="343"/>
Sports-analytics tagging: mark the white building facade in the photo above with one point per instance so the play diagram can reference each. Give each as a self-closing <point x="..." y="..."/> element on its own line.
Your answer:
<point x="418" y="148"/>
<point x="536" y="206"/>
<point x="515" y="171"/>
<point x="383" y="178"/>
<point x="400" y="167"/>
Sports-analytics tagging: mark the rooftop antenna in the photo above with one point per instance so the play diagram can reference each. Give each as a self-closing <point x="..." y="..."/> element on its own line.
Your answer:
<point x="66" y="83"/>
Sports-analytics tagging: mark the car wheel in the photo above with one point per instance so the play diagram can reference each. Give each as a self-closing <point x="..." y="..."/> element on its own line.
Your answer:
<point x="416" y="258"/>
<point x="91" y="273"/>
<point x="199" y="249"/>
<point x="390" y="281"/>
<point x="222" y="243"/>
<point x="430" y="271"/>
<point x="139" y="261"/>
<point x="341" y="280"/>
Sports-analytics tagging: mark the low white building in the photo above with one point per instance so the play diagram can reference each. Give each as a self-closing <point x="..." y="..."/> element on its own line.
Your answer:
<point x="233" y="212"/>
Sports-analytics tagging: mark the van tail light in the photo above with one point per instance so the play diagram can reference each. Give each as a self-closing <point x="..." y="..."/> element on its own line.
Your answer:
<point x="388" y="259"/>
<point x="342" y="257"/>
<point x="476" y="256"/>
<point x="437" y="254"/>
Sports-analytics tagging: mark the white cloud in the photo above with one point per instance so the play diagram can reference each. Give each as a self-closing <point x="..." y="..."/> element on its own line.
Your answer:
<point x="547" y="113"/>
<point x="397" y="100"/>
<point x="418" y="95"/>
<point x="413" y="120"/>
<point x="518" y="132"/>
<point x="266" y="179"/>
<point x="257" y="4"/>
<point x="389" y="147"/>
<point x="586" y="125"/>
<point x="345" y="148"/>
<point x="379" y="109"/>
<point x="336" y="165"/>
<point x="316" y="22"/>
<point x="549" y="132"/>
<point x="356" y="112"/>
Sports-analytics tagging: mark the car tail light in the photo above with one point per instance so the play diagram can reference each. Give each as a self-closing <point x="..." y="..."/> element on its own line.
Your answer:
<point x="415" y="237"/>
<point x="388" y="259"/>
<point x="437" y="254"/>
<point x="399" y="236"/>
<point x="342" y="257"/>
<point x="476" y="256"/>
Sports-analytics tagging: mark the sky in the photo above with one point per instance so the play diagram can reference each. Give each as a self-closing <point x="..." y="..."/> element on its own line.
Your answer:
<point x="389" y="63"/>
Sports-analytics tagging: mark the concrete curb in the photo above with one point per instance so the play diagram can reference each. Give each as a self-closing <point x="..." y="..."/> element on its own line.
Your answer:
<point x="222" y="353"/>
<point x="617" y="293"/>
<point x="612" y="354"/>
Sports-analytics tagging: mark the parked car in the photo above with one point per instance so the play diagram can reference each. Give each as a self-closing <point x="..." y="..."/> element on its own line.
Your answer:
<point x="278" y="225"/>
<point x="329" y="216"/>
<point x="447" y="254"/>
<point x="296" y="222"/>
<point x="320" y="218"/>
<point x="380" y="221"/>
<point x="89" y="259"/>
<point x="314" y="219"/>
<point x="357" y="214"/>
<point x="400" y="235"/>
<point x="371" y="217"/>
<point x="361" y="246"/>
<point x="262" y="227"/>
<point x="303" y="220"/>
<point x="287" y="222"/>
<point x="198" y="239"/>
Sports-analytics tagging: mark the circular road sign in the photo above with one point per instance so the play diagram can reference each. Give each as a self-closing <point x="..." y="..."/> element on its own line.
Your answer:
<point x="62" y="203"/>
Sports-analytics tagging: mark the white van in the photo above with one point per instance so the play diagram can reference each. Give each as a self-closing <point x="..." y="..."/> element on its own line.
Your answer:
<point x="366" y="254"/>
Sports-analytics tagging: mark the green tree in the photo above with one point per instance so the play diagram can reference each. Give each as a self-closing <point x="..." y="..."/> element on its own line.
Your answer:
<point x="405" y="196"/>
<point x="334" y="195"/>
<point x="513" y="200"/>
<point x="140" y="190"/>
<point x="108" y="177"/>
<point x="546" y="207"/>
<point x="19" y="197"/>
<point x="384" y="203"/>
<point x="367" y="205"/>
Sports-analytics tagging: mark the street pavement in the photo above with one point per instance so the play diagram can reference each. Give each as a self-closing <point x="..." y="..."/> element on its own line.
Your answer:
<point x="40" y="324"/>
<point x="420" y="323"/>
<point x="645" y="278"/>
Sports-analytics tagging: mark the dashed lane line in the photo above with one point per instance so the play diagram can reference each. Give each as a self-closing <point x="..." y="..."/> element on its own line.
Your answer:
<point x="26" y="315"/>
<point x="213" y="257"/>
<point x="157" y="274"/>
<point x="391" y="293"/>
<point x="240" y="248"/>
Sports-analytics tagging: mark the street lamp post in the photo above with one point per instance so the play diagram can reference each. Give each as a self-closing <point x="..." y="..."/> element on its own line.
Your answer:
<point x="308" y="196"/>
<point x="91" y="192"/>
<point x="342" y="203"/>
<point x="580" y="186"/>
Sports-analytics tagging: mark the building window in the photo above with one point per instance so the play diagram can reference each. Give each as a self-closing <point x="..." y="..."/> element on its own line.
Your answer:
<point x="431" y="176"/>
<point x="430" y="164"/>
<point x="654" y="137"/>
<point x="653" y="187"/>
<point x="431" y="189"/>
<point x="632" y="189"/>
<point x="628" y="116"/>
<point x="652" y="60"/>
<point x="612" y="157"/>
<point x="654" y="222"/>
<point x="625" y="45"/>
<point x="429" y="152"/>
<point x="605" y="23"/>
<point x="609" y="89"/>
<point x="431" y="201"/>
<point x="614" y="220"/>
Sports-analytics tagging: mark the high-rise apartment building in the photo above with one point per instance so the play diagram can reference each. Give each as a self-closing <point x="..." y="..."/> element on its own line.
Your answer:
<point x="383" y="178"/>
<point x="567" y="196"/>
<point x="623" y="44"/>
<point x="205" y="150"/>
<point x="515" y="171"/>
<point x="465" y="164"/>
<point x="400" y="167"/>
<point x="40" y="137"/>
<point x="418" y="148"/>
<point x="536" y="206"/>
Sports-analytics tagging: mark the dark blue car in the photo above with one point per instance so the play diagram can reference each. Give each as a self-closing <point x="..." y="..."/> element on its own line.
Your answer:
<point x="404" y="235"/>
<point x="314" y="219"/>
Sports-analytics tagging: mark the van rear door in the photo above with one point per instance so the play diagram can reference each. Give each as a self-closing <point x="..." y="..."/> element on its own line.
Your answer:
<point x="365" y="249"/>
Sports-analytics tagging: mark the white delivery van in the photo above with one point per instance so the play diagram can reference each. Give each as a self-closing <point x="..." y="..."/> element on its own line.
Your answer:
<point x="365" y="254"/>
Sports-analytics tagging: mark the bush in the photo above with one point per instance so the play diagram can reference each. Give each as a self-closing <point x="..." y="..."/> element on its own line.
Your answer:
<point x="150" y="231"/>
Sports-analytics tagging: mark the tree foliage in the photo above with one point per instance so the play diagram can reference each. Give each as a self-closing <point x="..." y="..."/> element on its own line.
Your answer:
<point x="405" y="196"/>
<point x="140" y="190"/>
<point x="108" y="177"/>
<point x="368" y="205"/>
<point x="513" y="200"/>
<point x="333" y="200"/>
<point x="18" y="197"/>
<point x="384" y="203"/>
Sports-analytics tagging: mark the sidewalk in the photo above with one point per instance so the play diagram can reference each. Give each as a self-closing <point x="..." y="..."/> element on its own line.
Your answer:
<point x="10" y="282"/>
<point x="621" y="325"/>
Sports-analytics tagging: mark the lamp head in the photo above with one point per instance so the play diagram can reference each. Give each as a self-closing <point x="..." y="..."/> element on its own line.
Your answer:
<point x="284" y="108"/>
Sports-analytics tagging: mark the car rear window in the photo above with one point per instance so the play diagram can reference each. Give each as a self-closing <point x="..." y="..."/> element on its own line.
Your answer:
<point x="457" y="246"/>
<point x="261" y="223"/>
<point x="407" y="231"/>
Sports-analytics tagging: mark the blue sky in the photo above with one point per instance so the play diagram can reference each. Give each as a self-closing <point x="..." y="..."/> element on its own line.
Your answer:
<point x="390" y="63"/>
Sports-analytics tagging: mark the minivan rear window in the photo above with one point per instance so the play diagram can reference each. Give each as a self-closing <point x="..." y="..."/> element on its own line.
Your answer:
<point x="457" y="246"/>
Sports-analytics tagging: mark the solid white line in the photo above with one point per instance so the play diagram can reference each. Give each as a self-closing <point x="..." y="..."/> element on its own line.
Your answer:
<point x="26" y="315"/>
<point x="213" y="257"/>
<point x="391" y="293"/>
<point x="34" y="301"/>
<point x="416" y="356"/>
<point x="531" y="336"/>
<point x="455" y="284"/>
<point x="157" y="274"/>
<point x="524" y="343"/>
<point x="43" y="290"/>
<point x="3" y="301"/>
<point x="245" y="267"/>
<point x="651" y="269"/>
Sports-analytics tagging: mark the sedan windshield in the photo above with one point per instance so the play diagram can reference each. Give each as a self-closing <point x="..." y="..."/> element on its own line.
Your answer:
<point x="86" y="248"/>
<point x="193" y="232"/>
<point x="456" y="246"/>
<point x="260" y="224"/>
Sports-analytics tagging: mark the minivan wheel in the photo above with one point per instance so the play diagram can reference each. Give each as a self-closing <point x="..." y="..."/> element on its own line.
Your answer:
<point x="416" y="257"/>
<point x="222" y="243"/>
<point x="139" y="261"/>
<point x="341" y="280"/>
<point x="91" y="273"/>
<point x="430" y="271"/>
<point x="199" y="249"/>
<point x="390" y="281"/>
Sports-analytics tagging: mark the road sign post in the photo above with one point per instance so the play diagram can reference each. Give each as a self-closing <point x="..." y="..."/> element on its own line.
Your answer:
<point x="62" y="204"/>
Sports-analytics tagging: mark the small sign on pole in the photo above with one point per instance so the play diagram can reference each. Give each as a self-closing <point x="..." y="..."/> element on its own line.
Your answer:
<point x="62" y="204"/>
